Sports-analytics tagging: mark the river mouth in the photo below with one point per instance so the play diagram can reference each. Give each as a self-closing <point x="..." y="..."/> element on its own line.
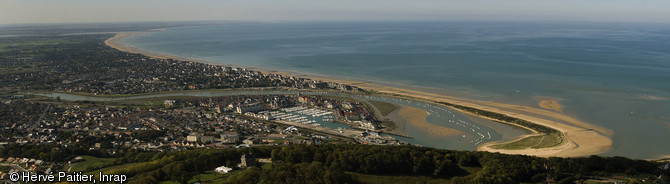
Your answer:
<point x="469" y="131"/>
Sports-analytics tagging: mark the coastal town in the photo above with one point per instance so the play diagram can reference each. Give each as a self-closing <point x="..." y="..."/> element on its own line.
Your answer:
<point x="42" y="134"/>
<point x="190" y="123"/>
<point x="99" y="70"/>
<point x="165" y="124"/>
<point x="181" y="124"/>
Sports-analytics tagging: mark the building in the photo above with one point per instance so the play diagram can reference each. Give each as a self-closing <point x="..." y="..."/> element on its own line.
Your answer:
<point x="367" y="125"/>
<point x="223" y="169"/>
<point x="251" y="107"/>
<point x="260" y="115"/>
<point x="318" y="84"/>
<point x="347" y="105"/>
<point x="250" y="141"/>
<point x="230" y="137"/>
<point x="207" y="139"/>
<point x="169" y="103"/>
<point x="193" y="137"/>
<point x="328" y="105"/>
<point x="248" y="160"/>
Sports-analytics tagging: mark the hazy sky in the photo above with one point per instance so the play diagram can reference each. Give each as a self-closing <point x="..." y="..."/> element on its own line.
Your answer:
<point x="50" y="11"/>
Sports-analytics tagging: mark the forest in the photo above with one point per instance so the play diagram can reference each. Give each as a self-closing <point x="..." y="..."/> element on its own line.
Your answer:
<point x="351" y="163"/>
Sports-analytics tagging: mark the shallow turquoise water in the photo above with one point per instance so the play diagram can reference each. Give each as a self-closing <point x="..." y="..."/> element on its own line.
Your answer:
<point x="603" y="72"/>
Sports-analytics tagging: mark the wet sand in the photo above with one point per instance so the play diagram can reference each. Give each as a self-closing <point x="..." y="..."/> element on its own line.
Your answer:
<point x="549" y="103"/>
<point x="399" y="122"/>
<point x="582" y="139"/>
<point x="411" y="116"/>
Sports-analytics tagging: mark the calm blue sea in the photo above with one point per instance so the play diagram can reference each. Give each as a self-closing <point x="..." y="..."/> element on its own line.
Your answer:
<point x="602" y="71"/>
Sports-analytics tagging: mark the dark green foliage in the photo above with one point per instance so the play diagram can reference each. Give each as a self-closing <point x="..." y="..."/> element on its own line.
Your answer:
<point x="148" y="135"/>
<point x="495" y="168"/>
<point x="182" y="166"/>
<point x="314" y="172"/>
<point x="48" y="152"/>
<point x="373" y="159"/>
<point x="332" y="163"/>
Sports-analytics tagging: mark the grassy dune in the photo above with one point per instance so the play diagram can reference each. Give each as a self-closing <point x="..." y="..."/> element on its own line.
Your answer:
<point x="535" y="142"/>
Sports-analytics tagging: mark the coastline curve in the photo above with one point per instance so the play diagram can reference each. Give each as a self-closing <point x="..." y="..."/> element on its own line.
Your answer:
<point x="581" y="138"/>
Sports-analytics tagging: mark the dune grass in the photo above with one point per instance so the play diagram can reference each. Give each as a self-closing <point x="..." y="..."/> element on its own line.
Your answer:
<point x="536" y="142"/>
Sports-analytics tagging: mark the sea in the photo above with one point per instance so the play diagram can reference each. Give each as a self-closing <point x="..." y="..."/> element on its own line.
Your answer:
<point x="613" y="75"/>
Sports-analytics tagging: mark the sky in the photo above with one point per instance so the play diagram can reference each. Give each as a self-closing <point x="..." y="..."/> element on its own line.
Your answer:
<point x="59" y="11"/>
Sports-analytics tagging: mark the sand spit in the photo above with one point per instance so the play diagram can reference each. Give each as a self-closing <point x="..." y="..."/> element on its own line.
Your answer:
<point x="583" y="139"/>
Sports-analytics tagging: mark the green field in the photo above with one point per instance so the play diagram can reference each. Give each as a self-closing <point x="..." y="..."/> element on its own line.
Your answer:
<point x="208" y="176"/>
<point x="384" y="108"/>
<point x="536" y="142"/>
<point x="90" y="163"/>
<point x="105" y="169"/>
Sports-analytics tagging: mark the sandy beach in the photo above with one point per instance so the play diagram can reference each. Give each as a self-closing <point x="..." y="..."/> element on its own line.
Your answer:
<point x="582" y="139"/>
<point x="663" y="158"/>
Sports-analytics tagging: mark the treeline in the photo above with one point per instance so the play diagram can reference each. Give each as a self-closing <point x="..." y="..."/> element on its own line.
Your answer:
<point x="335" y="163"/>
<point x="504" y="118"/>
<point x="408" y="160"/>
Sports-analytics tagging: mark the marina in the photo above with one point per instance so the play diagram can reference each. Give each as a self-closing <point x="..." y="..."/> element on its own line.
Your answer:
<point x="308" y="116"/>
<point x="475" y="130"/>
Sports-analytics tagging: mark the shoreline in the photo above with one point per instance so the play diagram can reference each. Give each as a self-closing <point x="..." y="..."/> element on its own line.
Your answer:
<point x="582" y="139"/>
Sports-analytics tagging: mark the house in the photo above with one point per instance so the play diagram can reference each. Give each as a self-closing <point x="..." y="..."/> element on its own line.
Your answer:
<point x="303" y="99"/>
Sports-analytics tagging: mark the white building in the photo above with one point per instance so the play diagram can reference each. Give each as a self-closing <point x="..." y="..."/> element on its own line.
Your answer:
<point x="223" y="169"/>
<point x="193" y="137"/>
